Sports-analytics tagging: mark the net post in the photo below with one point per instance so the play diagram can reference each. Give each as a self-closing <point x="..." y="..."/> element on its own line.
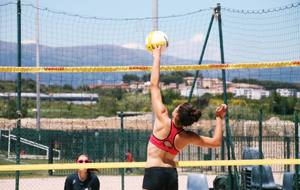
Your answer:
<point x="18" y="89"/>
<point x="234" y="183"/>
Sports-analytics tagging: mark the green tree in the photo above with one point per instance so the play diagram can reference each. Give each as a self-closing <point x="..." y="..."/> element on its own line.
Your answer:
<point x="128" y="78"/>
<point x="83" y="88"/>
<point x="107" y="106"/>
<point x="297" y="105"/>
<point x="145" y="77"/>
<point x="117" y="93"/>
<point x="282" y="105"/>
<point x="203" y="101"/>
<point x="169" y="96"/>
<point x="67" y="87"/>
<point x="28" y="85"/>
<point x="135" y="102"/>
<point x="11" y="109"/>
<point x="268" y="84"/>
<point x="7" y="86"/>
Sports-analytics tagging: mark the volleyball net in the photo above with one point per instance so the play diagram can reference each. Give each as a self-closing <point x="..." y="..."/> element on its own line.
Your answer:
<point x="85" y="87"/>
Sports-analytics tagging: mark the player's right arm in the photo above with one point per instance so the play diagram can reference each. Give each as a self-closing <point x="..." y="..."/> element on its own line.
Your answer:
<point x="157" y="105"/>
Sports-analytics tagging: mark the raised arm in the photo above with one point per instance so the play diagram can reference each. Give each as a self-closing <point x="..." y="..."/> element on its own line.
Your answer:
<point x="216" y="140"/>
<point x="157" y="105"/>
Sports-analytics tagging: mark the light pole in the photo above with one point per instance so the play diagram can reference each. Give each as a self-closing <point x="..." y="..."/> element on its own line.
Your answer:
<point x="154" y="27"/>
<point x="155" y="14"/>
<point x="37" y="60"/>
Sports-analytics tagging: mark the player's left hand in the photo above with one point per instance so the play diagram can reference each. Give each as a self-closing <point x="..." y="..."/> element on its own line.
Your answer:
<point x="221" y="111"/>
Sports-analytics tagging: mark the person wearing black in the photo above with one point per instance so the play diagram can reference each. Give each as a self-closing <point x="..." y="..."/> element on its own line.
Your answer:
<point x="83" y="179"/>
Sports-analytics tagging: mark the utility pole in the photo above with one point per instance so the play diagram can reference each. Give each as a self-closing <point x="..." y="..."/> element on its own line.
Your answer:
<point x="154" y="27"/>
<point x="154" y="14"/>
<point x="37" y="53"/>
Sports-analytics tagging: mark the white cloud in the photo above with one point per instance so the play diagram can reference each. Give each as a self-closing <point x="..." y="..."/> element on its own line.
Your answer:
<point x="186" y="48"/>
<point x="197" y="38"/>
<point x="28" y="41"/>
<point x="190" y="48"/>
<point x="133" y="46"/>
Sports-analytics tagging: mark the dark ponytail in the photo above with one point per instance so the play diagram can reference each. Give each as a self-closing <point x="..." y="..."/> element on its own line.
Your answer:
<point x="188" y="114"/>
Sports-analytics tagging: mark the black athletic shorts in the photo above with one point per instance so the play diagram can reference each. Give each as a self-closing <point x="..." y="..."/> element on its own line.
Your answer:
<point x="160" y="178"/>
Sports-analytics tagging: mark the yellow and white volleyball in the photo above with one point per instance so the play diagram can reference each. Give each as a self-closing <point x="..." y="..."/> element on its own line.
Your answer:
<point x="156" y="38"/>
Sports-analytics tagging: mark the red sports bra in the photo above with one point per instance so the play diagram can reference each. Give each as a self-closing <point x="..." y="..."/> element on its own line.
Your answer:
<point x="167" y="144"/>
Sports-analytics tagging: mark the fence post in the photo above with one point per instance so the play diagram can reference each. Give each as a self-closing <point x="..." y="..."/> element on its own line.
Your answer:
<point x="287" y="146"/>
<point x="198" y="148"/>
<point x="260" y="146"/>
<point x="19" y="76"/>
<point x="296" y="120"/>
<point x="122" y="149"/>
<point x="122" y="140"/>
<point x="50" y="155"/>
<point x="223" y="153"/>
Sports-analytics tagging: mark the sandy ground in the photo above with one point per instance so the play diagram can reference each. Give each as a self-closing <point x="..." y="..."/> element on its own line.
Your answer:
<point x="106" y="183"/>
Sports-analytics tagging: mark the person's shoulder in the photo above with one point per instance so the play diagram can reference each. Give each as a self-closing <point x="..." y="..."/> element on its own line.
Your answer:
<point x="72" y="176"/>
<point x="93" y="176"/>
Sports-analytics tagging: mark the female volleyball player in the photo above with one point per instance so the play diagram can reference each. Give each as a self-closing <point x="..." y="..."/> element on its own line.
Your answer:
<point x="82" y="179"/>
<point x="169" y="137"/>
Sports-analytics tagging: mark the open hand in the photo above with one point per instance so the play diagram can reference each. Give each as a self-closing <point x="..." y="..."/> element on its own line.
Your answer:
<point x="156" y="51"/>
<point x="221" y="111"/>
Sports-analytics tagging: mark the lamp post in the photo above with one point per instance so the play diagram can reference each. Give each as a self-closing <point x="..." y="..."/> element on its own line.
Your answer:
<point x="37" y="53"/>
<point x="154" y="27"/>
<point x="155" y="14"/>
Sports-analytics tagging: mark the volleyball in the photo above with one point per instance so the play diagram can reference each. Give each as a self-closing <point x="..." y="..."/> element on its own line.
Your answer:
<point x="156" y="38"/>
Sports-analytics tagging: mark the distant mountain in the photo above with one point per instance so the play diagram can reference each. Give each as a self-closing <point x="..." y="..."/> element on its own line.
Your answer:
<point x="112" y="55"/>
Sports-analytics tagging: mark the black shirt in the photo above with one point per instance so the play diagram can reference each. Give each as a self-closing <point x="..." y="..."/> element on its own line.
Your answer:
<point x="73" y="182"/>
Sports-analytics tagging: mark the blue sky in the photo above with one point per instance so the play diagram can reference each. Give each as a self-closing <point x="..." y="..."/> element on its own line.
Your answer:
<point x="143" y="8"/>
<point x="277" y="32"/>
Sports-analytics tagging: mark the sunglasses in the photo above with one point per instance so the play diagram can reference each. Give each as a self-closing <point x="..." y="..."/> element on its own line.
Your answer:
<point x="83" y="161"/>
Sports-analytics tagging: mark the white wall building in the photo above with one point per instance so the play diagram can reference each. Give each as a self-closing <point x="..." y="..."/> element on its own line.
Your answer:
<point x="286" y="92"/>
<point x="232" y="86"/>
<point x="197" y="91"/>
<point x="75" y="98"/>
<point x="254" y="94"/>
